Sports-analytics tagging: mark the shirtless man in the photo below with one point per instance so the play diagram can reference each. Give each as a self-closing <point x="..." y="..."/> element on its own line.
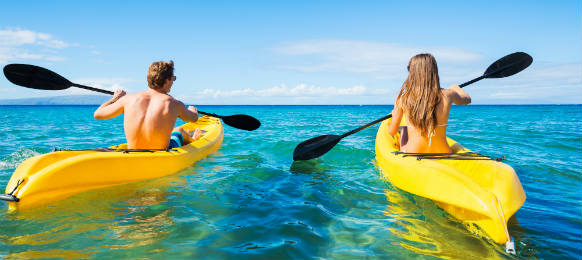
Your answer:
<point x="150" y="115"/>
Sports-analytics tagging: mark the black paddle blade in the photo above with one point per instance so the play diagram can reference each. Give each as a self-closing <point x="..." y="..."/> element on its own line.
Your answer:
<point x="31" y="76"/>
<point x="508" y="65"/>
<point x="315" y="147"/>
<point x="244" y="122"/>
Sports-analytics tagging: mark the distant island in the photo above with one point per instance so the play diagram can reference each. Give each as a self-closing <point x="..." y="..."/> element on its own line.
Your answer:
<point x="58" y="100"/>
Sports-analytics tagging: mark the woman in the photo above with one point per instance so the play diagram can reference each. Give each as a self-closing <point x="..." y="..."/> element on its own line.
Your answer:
<point x="426" y="106"/>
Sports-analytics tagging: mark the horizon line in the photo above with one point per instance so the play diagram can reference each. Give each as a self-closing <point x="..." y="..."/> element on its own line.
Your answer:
<point x="536" y="104"/>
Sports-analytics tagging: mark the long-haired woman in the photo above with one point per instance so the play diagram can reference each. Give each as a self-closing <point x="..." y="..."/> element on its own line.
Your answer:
<point x="426" y="107"/>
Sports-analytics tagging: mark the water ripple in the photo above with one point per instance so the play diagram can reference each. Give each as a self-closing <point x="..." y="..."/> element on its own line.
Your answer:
<point x="250" y="200"/>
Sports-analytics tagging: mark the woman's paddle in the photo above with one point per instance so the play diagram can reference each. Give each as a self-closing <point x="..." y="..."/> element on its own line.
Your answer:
<point x="318" y="146"/>
<point x="31" y="76"/>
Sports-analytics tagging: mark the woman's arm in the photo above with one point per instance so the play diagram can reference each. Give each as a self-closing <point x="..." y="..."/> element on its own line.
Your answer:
<point x="458" y="95"/>
<point x="396" y="118"/>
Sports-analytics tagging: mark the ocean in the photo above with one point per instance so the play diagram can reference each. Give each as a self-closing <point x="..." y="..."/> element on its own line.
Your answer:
<point x="249" y="200"/>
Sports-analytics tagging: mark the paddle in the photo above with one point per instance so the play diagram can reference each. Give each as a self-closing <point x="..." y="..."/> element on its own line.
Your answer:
<point x="31" y="76"/>
<point x="318" y="146"/>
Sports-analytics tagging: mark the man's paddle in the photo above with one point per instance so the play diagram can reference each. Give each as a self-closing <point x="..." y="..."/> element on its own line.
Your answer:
<point x="31" y="76"/>
<point x="318" y="146"/>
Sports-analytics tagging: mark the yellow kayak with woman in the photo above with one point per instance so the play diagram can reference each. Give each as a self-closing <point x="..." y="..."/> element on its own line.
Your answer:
<point x="472" y="188"/>
<point x="415" y="155"/>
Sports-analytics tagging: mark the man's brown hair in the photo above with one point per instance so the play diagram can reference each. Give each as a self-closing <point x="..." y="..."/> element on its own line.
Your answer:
<point x="158" y="72"/>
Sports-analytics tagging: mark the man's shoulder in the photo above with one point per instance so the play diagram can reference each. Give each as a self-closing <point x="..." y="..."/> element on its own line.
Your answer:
<point x="159" y="98"/>
<point x="154" y="95"/>
<point x="165" y="98"/>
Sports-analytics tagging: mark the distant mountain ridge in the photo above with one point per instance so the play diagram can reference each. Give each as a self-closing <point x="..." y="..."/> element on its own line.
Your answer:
<point x="58" y="100"/>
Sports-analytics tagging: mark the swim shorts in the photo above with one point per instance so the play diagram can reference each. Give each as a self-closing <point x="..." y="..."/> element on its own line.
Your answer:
<point x="176" y="140"/>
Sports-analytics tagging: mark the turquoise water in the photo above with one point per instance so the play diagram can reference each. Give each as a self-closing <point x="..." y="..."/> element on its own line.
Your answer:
<point x="250" y="201"/>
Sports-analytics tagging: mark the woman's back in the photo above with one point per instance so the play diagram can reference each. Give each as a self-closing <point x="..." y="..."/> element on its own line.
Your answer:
<point x="426" y="107"/>
<point x="436" y="140"/>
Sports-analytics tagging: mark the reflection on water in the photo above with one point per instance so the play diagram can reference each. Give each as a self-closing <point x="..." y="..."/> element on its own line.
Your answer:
<point x="426" y="229"/>
<point x="50" y="253"/>
<point x="135" y="215"/>
<point x="308" y="167"/>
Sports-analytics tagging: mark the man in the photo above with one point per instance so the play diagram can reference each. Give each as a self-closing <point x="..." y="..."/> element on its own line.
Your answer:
<point x="150" y="115"/>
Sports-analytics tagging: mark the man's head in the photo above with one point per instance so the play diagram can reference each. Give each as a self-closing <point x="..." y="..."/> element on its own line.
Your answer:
<point x="159" y="72"/>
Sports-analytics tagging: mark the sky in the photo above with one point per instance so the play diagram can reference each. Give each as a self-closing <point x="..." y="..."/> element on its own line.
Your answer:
<point x="296" y="52"/>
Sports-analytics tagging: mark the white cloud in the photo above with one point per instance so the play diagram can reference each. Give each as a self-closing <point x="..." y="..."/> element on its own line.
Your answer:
<point x="542" y="82"/>
<point x="110" y="84"/>
<point x="301" y="90"/>
<point x="380" y="59"/>
<point x="18" y="37"/>
<point x="553" y="73"/>
<point x="508" y="95"/>
<point x="18" y="44"/>
<point x="300" y="94"/>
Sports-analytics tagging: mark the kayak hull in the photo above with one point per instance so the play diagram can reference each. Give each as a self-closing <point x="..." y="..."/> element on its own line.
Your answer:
<point x="54" y="176"/>
<point x="481" y="192"/>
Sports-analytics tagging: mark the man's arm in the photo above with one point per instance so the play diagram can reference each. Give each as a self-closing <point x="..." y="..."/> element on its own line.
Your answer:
<point x="189" y="114"/>
<point x="111" y="108"/>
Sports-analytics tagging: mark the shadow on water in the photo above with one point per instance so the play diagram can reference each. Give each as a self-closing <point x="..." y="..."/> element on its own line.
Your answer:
<point x="265" y="212"/>
<point x="309" y="167"/>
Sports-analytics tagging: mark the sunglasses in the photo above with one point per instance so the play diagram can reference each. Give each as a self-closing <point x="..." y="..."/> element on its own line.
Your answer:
<point x="173" y="78"/>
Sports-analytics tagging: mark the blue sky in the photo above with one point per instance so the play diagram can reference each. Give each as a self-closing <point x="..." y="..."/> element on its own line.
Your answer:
<point x="297" y="52"/>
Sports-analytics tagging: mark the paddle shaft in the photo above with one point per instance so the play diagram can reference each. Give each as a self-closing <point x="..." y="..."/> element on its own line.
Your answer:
<point x="366" y="126"/>
<point x="111" y="93"/>
<point x="504" y="67"/>
<point x="472" y="81"/>
<point x="390" y="115"/>
<point x="93" y="89"/>
<point x="491" y="72"/>
<point x="36" y="77"/>
<point x="317" y="146"/>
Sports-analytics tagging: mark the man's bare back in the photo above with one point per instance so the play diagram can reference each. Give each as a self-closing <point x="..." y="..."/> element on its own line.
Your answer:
<point x="149" y="119"/>
<point x="150" y="116"/>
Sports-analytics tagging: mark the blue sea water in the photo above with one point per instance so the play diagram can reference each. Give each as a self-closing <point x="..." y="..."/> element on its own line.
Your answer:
<point x="250" y="201"/>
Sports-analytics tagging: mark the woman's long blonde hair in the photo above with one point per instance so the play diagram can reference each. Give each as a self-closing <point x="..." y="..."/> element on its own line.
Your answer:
<point x="421" y="93"/>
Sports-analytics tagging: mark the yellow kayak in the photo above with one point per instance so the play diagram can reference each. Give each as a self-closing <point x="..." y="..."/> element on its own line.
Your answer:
<point x="57" y="175"/>
<point x="472" y="188"/>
